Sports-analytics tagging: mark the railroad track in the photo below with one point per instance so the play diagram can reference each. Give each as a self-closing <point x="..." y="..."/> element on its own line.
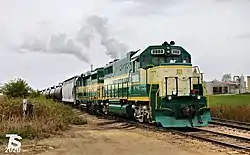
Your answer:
<point x="223" y="139"/>
<point x="231" y="123"/>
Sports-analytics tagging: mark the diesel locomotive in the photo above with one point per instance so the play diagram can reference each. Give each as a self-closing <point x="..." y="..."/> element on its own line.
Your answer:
<point x="156" y="85"/>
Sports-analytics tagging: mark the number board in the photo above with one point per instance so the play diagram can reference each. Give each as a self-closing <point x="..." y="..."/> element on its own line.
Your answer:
<point x="157" y="51"/>
<point x="179" y="72"/>
<point x="176" y="52"/>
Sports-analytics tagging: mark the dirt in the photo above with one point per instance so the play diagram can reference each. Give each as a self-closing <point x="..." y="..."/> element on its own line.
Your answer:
<point x="109" y="137"/>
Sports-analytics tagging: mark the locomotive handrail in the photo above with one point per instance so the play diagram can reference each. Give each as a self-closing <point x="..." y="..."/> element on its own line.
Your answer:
<point x="150" y="90"/>
<point x="156" y="101"/>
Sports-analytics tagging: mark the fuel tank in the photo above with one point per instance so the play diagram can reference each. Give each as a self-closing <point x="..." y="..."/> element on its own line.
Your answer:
<point x="121" y="109"/>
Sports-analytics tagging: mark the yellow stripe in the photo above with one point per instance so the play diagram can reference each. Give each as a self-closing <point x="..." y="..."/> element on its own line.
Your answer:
<point x="139" y="98"/>
<point x="129" y="99"/>
<point x="172" y="66"/>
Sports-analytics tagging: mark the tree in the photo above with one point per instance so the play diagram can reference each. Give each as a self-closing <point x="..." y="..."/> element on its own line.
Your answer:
<point x="34" y="93"/>
<point x="16" y="88"/>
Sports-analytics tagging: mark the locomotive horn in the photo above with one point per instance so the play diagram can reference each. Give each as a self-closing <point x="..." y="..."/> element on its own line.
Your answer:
<point x="165" y="43"/>
<point x="172" y="43"/>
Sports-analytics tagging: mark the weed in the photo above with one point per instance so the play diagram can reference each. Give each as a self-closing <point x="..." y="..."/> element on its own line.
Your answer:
<point x="234" y="107"/>
<point x="48" y="118"/>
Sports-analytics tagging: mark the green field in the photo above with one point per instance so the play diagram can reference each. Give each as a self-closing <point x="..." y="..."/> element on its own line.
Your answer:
<point x="234" y="107"/>
<point x="229" y="99"/>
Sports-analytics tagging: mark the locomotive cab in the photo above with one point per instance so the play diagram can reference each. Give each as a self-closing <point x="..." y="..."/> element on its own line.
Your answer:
<point x="175" y="87"/>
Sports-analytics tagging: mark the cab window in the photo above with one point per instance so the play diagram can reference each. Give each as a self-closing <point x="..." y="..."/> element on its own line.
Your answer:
<point x="157" y="60"/>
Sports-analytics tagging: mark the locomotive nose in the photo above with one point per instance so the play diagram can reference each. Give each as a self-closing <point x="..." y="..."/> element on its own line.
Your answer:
<point x="188" y="111"/>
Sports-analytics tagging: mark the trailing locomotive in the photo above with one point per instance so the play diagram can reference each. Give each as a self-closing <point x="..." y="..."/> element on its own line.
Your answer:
<point x="157" y="85"/>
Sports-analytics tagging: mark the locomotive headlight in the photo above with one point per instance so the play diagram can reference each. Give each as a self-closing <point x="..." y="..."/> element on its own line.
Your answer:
<point x="169" y="97"/>
<point x="198" y="97"/>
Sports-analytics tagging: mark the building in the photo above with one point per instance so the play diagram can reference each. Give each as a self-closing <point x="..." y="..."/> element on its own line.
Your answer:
<point x="248" y="84"/>
<point x="227" y="85"/>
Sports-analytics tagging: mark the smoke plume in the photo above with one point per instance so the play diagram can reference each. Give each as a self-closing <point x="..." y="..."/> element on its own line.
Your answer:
<point x="62" y="44"/>
<point x="95" y="24"/>
<point x="57" y="44"/>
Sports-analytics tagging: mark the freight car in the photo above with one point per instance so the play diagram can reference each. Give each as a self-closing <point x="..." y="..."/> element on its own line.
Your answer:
<point x="157" y="85"/>
<point x="68" y="90"/>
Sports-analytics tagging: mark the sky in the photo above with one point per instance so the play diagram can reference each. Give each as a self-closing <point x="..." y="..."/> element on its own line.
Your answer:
<point x="48" y="41"/>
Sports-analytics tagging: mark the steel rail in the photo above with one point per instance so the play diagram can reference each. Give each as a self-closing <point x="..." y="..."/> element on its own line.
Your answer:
<point x="198" y="133"/>
<point x="231" y="125"/>
<point x="230" y="121"/>
<point x="201" y="134"/>
<point x="237" y="138"/>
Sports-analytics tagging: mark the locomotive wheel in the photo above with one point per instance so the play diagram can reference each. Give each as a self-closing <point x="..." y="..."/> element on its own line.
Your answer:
<point x="141" y="119"/>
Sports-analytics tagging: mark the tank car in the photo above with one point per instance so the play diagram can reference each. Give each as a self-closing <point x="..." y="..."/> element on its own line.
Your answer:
<point x="47" y="92"/>
<point x="52" y="92"/>
<point x="58" y="93"/>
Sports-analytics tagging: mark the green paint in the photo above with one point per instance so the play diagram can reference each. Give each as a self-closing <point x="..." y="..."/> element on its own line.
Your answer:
<point x="168" y="121"/>
<point x="89" y="78"/>
<point x="167" y="112"/>
<point x="138" y="90"/>
<point x="80" y="94"/>
<point x="120" y="109"/>
<point x="147" y="58"/>
<point x="152" y="90"/>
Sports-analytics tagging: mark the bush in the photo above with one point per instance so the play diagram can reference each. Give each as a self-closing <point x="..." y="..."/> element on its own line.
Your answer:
<point x="48" y="118"/>
<point x="16" y="88"/>
<point x="34" y="93"/>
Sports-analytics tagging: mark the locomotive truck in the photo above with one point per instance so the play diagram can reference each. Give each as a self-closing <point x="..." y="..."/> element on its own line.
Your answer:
<point x="156" y="85"/>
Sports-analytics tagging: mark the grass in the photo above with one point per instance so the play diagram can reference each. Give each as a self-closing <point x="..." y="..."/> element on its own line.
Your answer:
<point x="48" y="118"/>
<point x="239" y="99"/>
<point x="234" y="107"/>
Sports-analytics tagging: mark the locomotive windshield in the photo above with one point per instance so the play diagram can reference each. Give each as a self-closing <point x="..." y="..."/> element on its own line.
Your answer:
<point x="169" y="55"/>
<point x="157" y="60"/>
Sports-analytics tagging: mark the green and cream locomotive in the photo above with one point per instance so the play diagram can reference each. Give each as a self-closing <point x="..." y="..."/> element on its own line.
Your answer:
<point x="157" y="85"/>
